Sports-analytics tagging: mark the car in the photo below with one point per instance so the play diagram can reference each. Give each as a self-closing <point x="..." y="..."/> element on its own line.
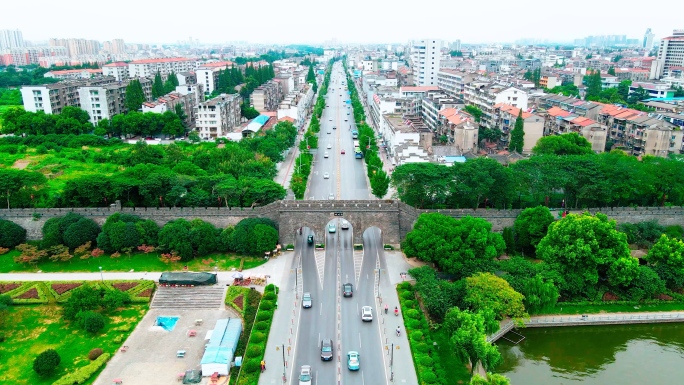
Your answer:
<point x="347" y="112"/>
<point x="332" y="228"/>
<point x="331" y="120"/>
<point x="347" y="290"/>
<point x="329" y="146"/>
<point x="305" y="375"/>
<point x="342" y="152"/>
<point x="331" y="196"/>
<point x="329" y="132"/>
<point x="306" y="301"/>
<point x="334" y="127"/>
<point x="345" y="120"/>
<point x="326" y="175"/>
<point x="353" y="362"/>
<point x="366" y="314"/>
<point x="325" y="155"/>
<point x="310" y="239"/>
<point x="345" y="225"/>
<point x="326" y="349"/>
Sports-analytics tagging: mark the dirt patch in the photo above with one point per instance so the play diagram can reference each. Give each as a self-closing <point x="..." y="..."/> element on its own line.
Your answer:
<point x="61" y="288"/>
<point x="21" y="164"/>
<point x="31" y="293"/>
<point x="239" y="301"/>
<point x="608" y="296"/>
<point x="415" y="262"/>
<point x="664" y="297"/>
<point x="145" y="293"/>
<point x="5" y="287"/>
<point x="124" y="286"/>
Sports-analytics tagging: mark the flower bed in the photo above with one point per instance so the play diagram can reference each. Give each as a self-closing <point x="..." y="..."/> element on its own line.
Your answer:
<point x="7" y="287"/>
<point x="147" y="293"/>
<point x="61" y="288"/>
<point x="30" y="293"/>
<point x="124" y="286"/>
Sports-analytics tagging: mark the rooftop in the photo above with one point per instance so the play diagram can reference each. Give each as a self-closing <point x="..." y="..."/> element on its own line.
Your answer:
<point x="116" y="64"/>
<point x="161" y="60"/>
<point x="418" y="89"/>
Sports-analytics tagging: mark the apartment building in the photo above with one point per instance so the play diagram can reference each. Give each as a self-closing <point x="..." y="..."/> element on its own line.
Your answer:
<point x="296" y="105"/>
<point x="549" y="81"/>
<point x="11" y="39"/>
<point x="267" y="96"/>
<point x="654" y="89"/>
<point x="169" y="102"/>
<point x="119" y="70"/>
<point x="639" y="133"/>
<point x="670" y="54"/>
<point x="76" y="47"/>
<point x="453" y="81"/>
<point x="486" y="94"/>
<point x="150" y="67"/>
<point x="74" y="74"/>
<point x="573" y="105"/>
<point x="29" y="55"/>
<point x="208" y="74"/>
<point x="52" y="98"/>
<point x="559" y="121"/>
<point x="107" y="100"/>
<point x="460" y="130"/>
<point x="432" y="103"/>
<point x="504" y="119"/>
<point x="425" y="57"/>
<point x="218" y="116"/>
<point x="404" y="142"/>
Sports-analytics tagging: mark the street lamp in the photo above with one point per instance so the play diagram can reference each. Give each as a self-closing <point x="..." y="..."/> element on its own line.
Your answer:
<point x="101" y="276"/>
<point x="284" y="378"/>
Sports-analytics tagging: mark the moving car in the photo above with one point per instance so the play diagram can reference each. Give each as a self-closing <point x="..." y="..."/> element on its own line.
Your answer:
<point x="347" y="290"/>
<point x="334" y="127"/>
<point x="329" y="132"/>
<point x="326" y="175"/>
<point x="342" y="152"/>
<point x="331" y="196"/>
<point x="345" y="120"/>
<point x="326" y="349"/>
<point x="305" y="375"/>
<point x="306" y="301"/>
<point x="366" y="314"/>
<point x="309" y="239"/>
<point x="353" y="362"/>
<point x="345" y="225"/>
<point x="331" y="228"/>
<point x="325" y="155"/>
<point x="329" y="146"/>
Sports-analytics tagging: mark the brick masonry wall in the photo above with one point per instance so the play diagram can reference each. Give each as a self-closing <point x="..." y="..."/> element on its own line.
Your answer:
<point x="395" y="219"/>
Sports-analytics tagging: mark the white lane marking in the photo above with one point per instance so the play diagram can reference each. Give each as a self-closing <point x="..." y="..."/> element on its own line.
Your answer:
<point x="359" y="341"/>
<point x="358" y="262"/>
<point x="319" y="257"/>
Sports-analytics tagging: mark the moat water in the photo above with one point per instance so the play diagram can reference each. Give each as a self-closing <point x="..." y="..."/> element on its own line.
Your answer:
<point x="596" y="355"/>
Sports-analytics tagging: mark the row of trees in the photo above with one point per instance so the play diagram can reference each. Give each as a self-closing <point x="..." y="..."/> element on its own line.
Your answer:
<point x="612" y="179"/>
<point x="619" y="95"/>
<point x="378" y="178"/>
<point x="160" y="87"/>
<point x="238" y="175"/>
<point x="10" y="97"/>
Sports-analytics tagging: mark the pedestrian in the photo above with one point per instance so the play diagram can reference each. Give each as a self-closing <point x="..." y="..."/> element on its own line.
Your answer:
<point x="563" y="204"/>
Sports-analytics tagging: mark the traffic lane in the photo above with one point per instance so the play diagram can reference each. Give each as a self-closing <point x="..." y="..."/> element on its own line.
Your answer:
<point x="350" y="317"/>
<point x="371" y="331"/>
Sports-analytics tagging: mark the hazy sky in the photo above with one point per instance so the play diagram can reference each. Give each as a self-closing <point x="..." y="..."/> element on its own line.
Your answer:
<point x="348" y="21"/>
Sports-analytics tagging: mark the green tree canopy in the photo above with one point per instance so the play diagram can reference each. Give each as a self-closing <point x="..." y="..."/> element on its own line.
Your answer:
<point x="530" y="227"/>
<point x="566" y="144"/>
<point x="487" y="291"/>
<point x="518" y="135"/>
<point x="468" y="338"/>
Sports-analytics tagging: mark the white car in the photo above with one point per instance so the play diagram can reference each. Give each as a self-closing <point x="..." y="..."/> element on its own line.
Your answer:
<point x="329" y="146"/>
<point x="329" y="132"/>
<point x="326" y="175"/>
<point x="366" y="314"/>
<point x="325" y="155"/>
<point x="345" y="225"/>
<point x="305" y="375"/>
<point x="331" y="196"/>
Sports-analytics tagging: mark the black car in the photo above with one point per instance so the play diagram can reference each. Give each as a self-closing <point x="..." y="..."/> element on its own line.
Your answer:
<point x="309" y="239"/>
<point x="326" y="349"/>
<point x="347" y="290"/>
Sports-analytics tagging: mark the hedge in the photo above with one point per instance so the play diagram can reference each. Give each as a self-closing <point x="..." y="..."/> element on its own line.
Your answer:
<point x="83" y="374"/>
<point x="46" y="293"/>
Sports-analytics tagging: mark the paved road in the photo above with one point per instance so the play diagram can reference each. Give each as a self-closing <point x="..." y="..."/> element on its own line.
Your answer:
<point x="346" y="175"/>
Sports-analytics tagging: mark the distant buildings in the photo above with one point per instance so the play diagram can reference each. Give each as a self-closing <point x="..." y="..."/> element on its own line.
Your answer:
<point x="218" y="116"/>
<point x="670" y="54"/>
<point x="73" y="74"/>
<point x="76" y="47"/>
<point x="150" y="67"/>
<point x="11" y="39"/>
<point x="425" y="55"/>
<point x="648" y="39"/>
<point x="267" y="96"/>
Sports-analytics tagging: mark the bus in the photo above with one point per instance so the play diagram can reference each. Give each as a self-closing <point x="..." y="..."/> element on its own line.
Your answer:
<point x="357" y="153"/>
<point x="355" y="134"/>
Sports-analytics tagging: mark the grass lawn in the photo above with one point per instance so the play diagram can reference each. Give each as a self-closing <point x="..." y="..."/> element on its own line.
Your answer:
<point x="31" y="329"/>
<point x="458" y="371"/>
<point x="136" y="262"/>
<point x="612" y="308"/>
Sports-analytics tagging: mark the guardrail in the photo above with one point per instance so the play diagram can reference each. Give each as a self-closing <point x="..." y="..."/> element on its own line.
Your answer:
<point x="590" y="319"/>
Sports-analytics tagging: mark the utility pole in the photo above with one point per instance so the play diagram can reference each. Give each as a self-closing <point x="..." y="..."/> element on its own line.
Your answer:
<point x="392" y="364"/>
<point x="284" y="378"/>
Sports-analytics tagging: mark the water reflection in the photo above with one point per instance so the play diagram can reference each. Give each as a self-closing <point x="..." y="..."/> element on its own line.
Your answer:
<point x="595" y="355"/>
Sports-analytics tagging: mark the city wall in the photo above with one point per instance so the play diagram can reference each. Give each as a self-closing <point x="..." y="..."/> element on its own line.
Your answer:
<point x="393" y="218"/>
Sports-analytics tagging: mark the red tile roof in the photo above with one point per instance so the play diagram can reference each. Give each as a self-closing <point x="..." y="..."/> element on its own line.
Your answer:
<point x="582" y="121"/>
<point x="512" y="110"/>
<point x="116" y="64"/>
<point x="557" y="111"/>
<point x="218" y="64"/>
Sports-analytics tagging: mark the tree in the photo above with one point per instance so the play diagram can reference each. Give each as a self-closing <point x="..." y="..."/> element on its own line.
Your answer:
<point x="474" y="111"/>
<point x="611" y="71"/>
<point x="594" y="85"/>
<point x="582" y="249"/>
<point x="180" y="112"/>
<point x="90" y="321"/>
<point x="46" y="363"/>
<point x="171" y="83"/>
<point x="248" y="112"/>
<point x="310" y="76"/>
<point x="80" y="232"/>
<point x="518" y="135"/>
<point x="11" y="234"/>
<point x="29" y="254"/>
<point x="646" y="284"/>
<point x="243" y="238"/>
<point x="422" y="185"/>
<point x="530" y="227"/>
<point x="82" y="299"/>
<point x="468" y="339"/>
<point x="379" y="184"/>
<point x="638" y="95"/>
<point x="491" y="379"/>
<point x="487" y="291"/>
<point x="460" y="247"/>
<point x="667" y="255"/>
<point x="623" y="89"/>
<point x="157" y="86"/>
<point x="135" y="96"/>
<point x="566" y="144"/>
<point x="18" y="185"/>
<point x="266" y="238"/>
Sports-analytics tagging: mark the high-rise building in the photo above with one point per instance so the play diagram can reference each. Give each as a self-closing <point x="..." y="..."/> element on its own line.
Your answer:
<point x="648" y="39"/>
<point x="11" y="39"/>
<point x="114" y="47"/>
<point x="425" y="55"/>
<point x="77" y="47"/>
<point x="670" y="54"/>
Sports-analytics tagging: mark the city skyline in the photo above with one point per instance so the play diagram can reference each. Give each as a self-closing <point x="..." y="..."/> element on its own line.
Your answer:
<point x="307" y="22"/>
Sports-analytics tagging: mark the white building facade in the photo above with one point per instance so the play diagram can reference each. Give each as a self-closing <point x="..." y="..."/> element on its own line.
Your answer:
<point x="425" y="55"/>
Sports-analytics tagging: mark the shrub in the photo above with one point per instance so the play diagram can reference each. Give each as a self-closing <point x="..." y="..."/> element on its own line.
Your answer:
<point x="428" y="376"/>
<point x="93" y="354"/>
<point x="417" y="335"/>
<point x="261" y="325"/>
<point x="422" y="347"/>
<point x="269" y="296"/>
<point x="91" y="321"/>
<point x="115" y="299"/>
<point x="409" y="304"/>
<point x="258" y="337"/>
<point x="11" y="234"/>
<point x="83" y="374"/>
<point x="81" y="299"/>
<point x="426" y="361"/>
<point x="412" y="313"/>
<point x="264" y="315"/>
<point x="266" y="305"/>
<point x="408" y="295"/>
<point x="46" y="362"/>
<point x="254" y="350"/>
<point x="252" y="365"/>
<point x="413" y="324"/>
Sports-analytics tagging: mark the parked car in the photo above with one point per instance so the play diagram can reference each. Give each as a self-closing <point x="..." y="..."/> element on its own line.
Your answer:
<point x="326" y="349"/>
<point x="306" y="301"/>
